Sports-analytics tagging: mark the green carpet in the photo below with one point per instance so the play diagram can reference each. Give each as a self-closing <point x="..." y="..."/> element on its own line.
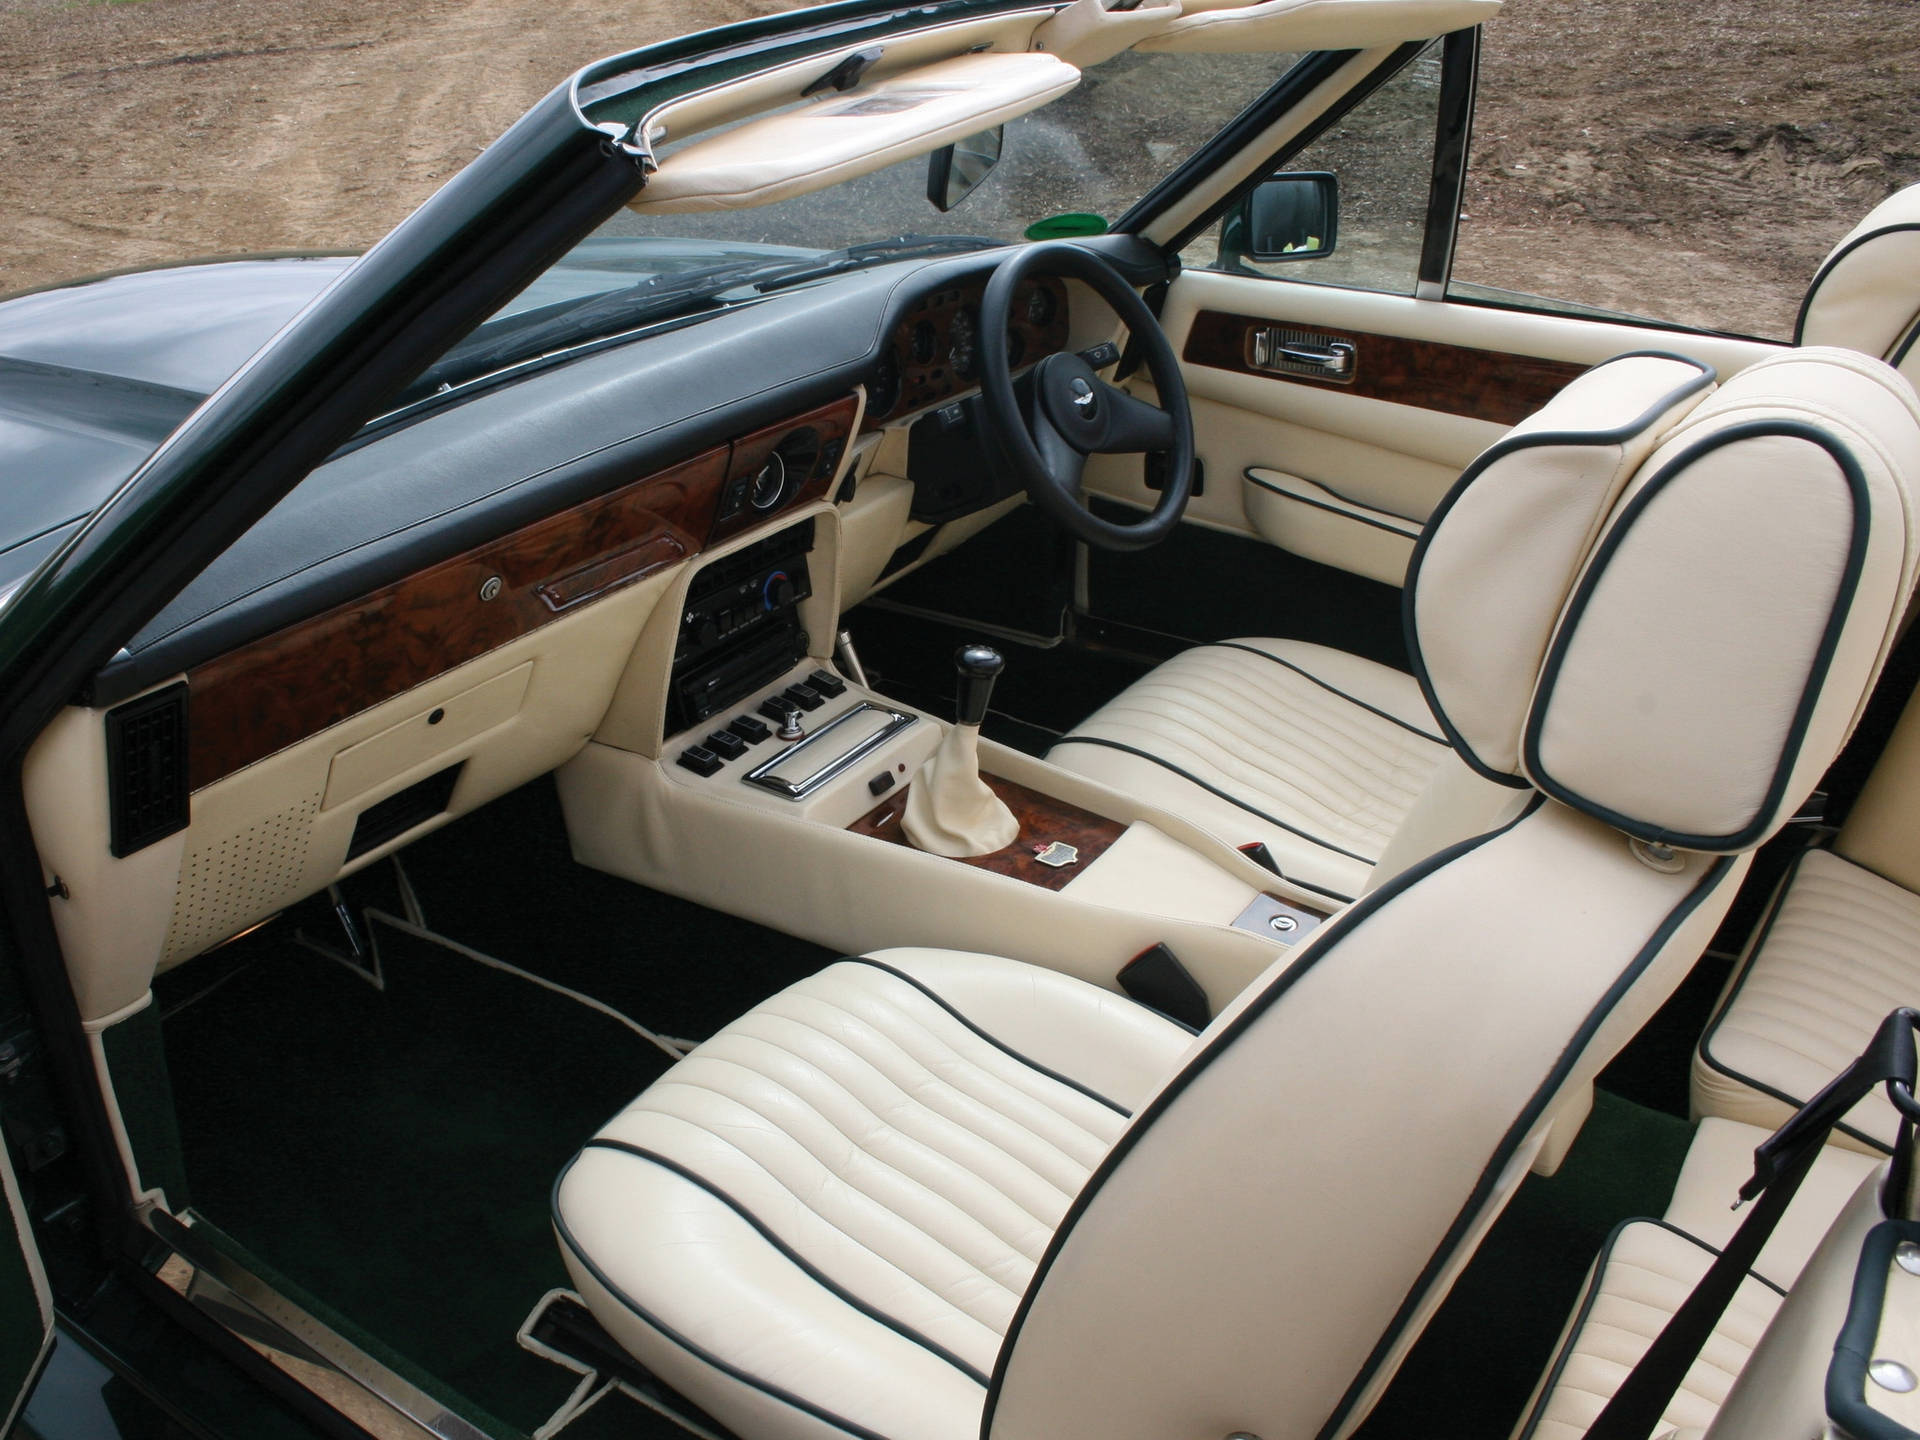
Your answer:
<point x="504" y="881"/>
<point x="1470" y="1374"/>
<point x="392" y="1153"/>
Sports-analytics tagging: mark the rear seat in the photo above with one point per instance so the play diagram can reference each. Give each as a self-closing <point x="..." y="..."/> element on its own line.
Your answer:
<point x="1650" y="1266"/>
<point x="1839" y="948"/>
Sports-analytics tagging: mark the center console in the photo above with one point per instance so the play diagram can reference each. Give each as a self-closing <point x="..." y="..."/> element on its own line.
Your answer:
<point x="740" y="626"/>
<point x="760" y="780"/>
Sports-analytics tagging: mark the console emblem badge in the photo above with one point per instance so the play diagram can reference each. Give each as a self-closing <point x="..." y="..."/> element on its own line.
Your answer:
<point x="1056" y="854"/>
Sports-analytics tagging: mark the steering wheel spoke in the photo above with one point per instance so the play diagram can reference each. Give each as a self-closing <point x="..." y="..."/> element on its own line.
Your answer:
<point x="1074" y="413"/>
<point x="1132" y="424"/>
<point x="1065" y="463"/>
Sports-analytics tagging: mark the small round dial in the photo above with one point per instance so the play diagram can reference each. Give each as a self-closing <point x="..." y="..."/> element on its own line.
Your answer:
<point x="1039" y="306"/>
<point x="769" y="483"/>
<point x="961" y="354"/>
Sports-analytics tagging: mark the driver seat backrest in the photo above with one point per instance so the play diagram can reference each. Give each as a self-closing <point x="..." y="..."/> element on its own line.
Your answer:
<point x="1866" y="294"/>
<point x="1270" y="1232"/>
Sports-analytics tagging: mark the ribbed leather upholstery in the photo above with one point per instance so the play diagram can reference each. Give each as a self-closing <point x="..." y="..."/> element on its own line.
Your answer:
<point x="1841" y="950"/>
<point x="856" y="1120"/>
<point x="1649" y="1267"/>
<point x="1645" y="1273"/>
<point x="1317" y="753"/>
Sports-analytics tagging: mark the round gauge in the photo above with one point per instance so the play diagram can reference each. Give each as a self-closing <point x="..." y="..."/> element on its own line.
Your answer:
<point x="1039" y="306"/>
<point x="960" y="338"/>
<point x="883" y="389"/>
<point x="924" y="343"/>
<point x="769" y="483"/>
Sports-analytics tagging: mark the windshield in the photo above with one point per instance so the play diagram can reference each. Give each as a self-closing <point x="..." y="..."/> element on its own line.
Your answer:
<point x="1092" y="152"/>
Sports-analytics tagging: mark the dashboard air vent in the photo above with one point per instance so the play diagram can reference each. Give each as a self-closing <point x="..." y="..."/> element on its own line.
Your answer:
<point x="147" y="769"/>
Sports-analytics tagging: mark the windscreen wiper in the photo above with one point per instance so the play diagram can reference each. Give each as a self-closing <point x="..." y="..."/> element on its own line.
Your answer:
<point x="836" y="262"/>
<point x="525" y="337"/>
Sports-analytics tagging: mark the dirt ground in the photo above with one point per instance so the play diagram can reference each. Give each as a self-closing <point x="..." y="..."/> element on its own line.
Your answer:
<point x="1687" y="158"/>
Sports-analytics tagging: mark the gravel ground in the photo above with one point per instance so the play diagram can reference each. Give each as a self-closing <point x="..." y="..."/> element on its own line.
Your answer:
<point x="1690" y="158"/>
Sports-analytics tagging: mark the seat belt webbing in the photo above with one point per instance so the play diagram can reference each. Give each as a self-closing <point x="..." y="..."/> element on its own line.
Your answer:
<point x="1781" y="1162"/>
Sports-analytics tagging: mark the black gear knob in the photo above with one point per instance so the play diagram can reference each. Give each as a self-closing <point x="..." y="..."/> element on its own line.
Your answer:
<point x="979" y="667"/>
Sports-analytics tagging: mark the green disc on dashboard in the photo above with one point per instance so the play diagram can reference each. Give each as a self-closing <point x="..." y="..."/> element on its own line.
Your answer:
<point x="1065" y="227"/>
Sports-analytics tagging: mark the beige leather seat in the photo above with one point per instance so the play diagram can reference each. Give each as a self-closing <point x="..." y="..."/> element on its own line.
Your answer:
<point x="1649" y="1267"/>
<point x="1838" y="948"/>
<point x="1322" y="755"/>
<point x="1866" y="294"/>
<point x="936" y="1195"/>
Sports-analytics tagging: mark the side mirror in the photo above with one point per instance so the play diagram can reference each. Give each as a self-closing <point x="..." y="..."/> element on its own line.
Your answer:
<point x="953" y="171"/>
<point x="1290" y="217"/>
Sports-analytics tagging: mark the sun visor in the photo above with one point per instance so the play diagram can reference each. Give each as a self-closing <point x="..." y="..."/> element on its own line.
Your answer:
<point x="1299" y="25"/>
<point x="854" y="132"/>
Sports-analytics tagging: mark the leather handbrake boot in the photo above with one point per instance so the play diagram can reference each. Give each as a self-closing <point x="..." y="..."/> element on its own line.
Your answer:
<point x="950" y="810"/>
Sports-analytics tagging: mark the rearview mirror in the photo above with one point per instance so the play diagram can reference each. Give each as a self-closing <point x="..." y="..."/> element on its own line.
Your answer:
<point x="953" y="171"/>
<point x="1290" y="217"/>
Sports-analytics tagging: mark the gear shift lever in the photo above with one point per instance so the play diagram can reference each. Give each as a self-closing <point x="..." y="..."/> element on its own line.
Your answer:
<point x="950" y="810"/>
<point x="979" y="667"/>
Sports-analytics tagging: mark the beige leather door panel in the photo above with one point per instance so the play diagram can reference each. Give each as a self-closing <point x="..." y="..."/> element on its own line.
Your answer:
<point x="1345" y="468"/>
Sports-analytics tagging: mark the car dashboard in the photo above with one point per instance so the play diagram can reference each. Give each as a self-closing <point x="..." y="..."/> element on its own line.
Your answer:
<point x="446" y="611"/>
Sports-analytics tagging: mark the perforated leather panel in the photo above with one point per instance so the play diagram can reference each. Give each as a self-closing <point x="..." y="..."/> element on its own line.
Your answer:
<point x="230" y="883"/>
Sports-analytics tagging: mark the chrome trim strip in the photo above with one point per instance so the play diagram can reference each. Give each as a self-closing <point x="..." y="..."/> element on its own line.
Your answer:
<point x="419" y="1413"/>
<point x="789" y="790"/>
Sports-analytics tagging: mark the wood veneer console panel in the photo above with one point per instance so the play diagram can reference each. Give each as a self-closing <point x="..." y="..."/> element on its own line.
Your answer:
<point x="1458" y="379"/>
<point x="815" y="439"/>
<point x="249" y="703"/>
<point x="1042" y="819"/>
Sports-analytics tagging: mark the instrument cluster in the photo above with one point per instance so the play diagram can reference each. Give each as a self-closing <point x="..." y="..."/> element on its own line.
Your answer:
<point x="934" y="352"/>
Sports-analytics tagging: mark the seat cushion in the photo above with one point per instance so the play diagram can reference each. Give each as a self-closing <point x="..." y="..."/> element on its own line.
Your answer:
<point x="1840" y="949"/>
<point x="1640" y="1280"/>
<point x="1650" y="1266"/>
<point x="1315" y="752"/>
<point x="845" y="1192"/>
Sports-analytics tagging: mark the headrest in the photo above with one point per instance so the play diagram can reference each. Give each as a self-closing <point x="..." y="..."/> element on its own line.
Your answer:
<point x="1866" y="295"/>
<point x="1496" y="563"/>
<point x="1736" y="608"/>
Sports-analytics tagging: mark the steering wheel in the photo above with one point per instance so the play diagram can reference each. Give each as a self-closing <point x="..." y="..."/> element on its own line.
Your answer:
<point x="1074" y="413"/>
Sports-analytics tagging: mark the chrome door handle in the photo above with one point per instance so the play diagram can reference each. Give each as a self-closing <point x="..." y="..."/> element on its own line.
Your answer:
<point x="1274" y="349"/>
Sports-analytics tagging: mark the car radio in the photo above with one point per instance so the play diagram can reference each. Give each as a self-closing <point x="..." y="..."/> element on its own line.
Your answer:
<point x="741" y="626"/>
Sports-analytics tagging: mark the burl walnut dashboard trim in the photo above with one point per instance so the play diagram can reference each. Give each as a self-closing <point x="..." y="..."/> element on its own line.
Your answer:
<point x="276" y="691"/>
<point x="1043" y="819"/>
<point x="1457" y="379"/>
<point x="923" y="347"/>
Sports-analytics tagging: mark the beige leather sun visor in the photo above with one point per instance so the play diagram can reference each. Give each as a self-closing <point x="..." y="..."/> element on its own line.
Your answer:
<point x="844" y="134"/>
<point x="1298" y="25"/>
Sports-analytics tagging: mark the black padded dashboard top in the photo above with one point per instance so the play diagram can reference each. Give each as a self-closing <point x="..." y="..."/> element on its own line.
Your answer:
<point x="381" y="510"/>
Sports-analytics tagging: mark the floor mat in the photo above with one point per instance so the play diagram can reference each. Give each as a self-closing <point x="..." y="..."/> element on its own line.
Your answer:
<point x="1473" y="1369"/>
<point x="503" y="880"/>
<point x="393" y="1152"/>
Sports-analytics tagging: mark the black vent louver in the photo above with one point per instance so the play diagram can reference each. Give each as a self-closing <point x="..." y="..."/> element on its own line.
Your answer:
<point x="147" y="769"/>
